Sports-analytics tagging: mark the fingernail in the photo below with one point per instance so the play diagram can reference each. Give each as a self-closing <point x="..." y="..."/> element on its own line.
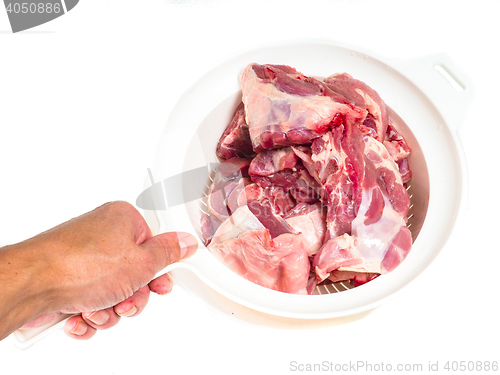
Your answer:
<point x="99" y="317"/>
<point x="187" y="243"/>
<point x="130" y="312"/>
<point x="79" y="329"/>
<point x="184" y="249"/>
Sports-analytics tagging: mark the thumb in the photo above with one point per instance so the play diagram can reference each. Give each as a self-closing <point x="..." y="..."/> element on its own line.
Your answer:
<point x="168" y="248"/>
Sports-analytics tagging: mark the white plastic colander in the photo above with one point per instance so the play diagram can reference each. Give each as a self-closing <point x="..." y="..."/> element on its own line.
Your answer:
<point x="423" y="92"/>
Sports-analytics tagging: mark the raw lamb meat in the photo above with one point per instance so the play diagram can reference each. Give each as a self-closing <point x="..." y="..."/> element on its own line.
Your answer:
<point x="246" y="247"/>
<point x="311" y="187"/>
<point x="283" y="107"/>
<point x="235" y="141"/>
<point x="399" y="150"/>
<point x="362" y="96"/>
<point x="376" y="239"/>
<point x="274" y="168"/>
<point x="281" y="263"/>
<point x="226" y="179"/>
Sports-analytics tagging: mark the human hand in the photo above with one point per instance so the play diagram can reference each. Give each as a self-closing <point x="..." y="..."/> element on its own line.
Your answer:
<point x="100" y="266"/>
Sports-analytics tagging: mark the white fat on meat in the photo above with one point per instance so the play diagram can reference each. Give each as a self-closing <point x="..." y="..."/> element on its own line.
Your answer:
<point x="374" y="239"/>
<point x="240" y="221"/>
<point x="312" y="227"/>
<point x="268" y="106"/>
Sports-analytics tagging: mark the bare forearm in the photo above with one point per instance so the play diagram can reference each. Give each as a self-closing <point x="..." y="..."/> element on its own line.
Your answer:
<point x="21" y="294"/>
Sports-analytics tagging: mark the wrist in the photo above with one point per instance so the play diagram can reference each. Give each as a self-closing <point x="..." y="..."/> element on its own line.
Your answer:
<point x="26" y="292"/>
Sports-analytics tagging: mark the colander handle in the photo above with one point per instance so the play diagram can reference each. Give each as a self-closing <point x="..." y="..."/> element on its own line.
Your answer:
<point x="440" y="79"/>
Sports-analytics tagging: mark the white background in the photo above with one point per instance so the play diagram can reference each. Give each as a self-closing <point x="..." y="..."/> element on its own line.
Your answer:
<point x="83" y="100"/>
